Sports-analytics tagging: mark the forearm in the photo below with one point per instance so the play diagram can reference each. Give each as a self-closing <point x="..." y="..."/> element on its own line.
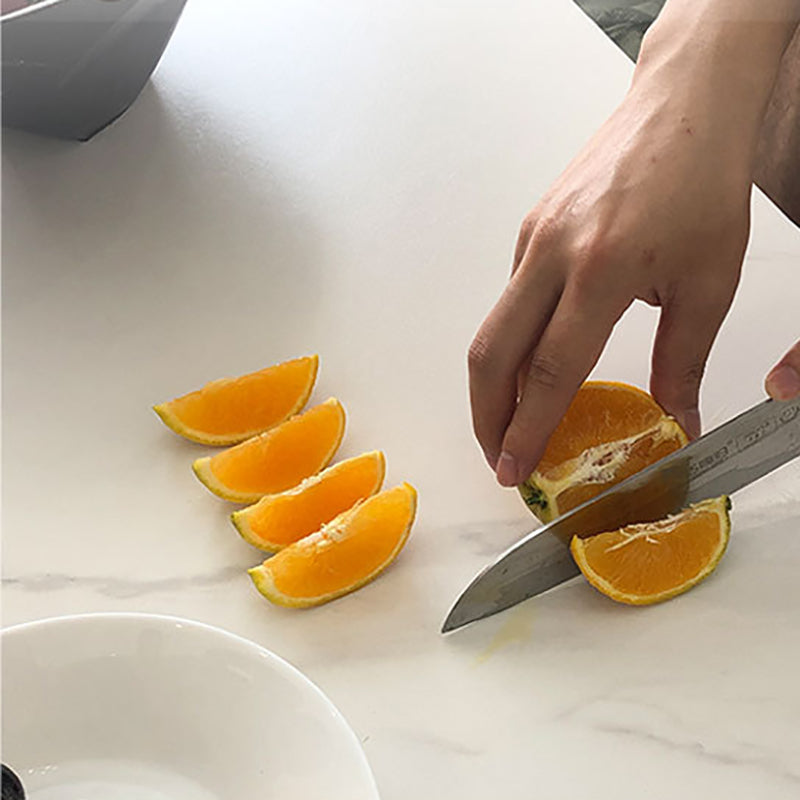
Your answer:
<point x="777" y="170"/>
<point x="721" y="57"/>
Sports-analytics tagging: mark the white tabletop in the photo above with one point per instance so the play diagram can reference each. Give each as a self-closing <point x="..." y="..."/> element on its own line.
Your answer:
<point x="347" y="178"/>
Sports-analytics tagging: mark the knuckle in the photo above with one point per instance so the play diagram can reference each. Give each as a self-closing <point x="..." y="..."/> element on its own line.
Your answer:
<point x="597" y="248"/>
<point x="681" y="386"/>
<point x="548" y="231"/>
<point x="539" y="236"/>
<point x="594" y="270"/>
<point x="526" y="229"/>
<point x="479" y="355"/>
<point x="545" y="371"/>
<point x="692" y="374"/>
<point x="524" y="238"/>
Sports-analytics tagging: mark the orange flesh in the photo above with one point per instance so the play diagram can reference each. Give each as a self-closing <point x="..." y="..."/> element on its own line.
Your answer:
<point x="644" y="452"/>
<point x="349" y="551"/>
<point x="599" y="413"/>
<point x="286" y="518"/>
<point x="639" y="562"/>
<point x="284" y="456"/>
<point x="249" y="403"/>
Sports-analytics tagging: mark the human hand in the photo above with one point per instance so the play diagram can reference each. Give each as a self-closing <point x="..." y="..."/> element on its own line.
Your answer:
<point x="655" y="208"/>
<point x="783" y="380"/>
<point x="652" y="209"/>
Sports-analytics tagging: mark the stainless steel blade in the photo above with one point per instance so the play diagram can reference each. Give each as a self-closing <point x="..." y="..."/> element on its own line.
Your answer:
<point x="727" y="458"/>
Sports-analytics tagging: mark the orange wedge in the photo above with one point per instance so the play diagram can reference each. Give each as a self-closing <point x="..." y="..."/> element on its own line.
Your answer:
<point x="278" y="459"/>
<point x="654" y="561"/>
<point x="278" y="520"/>
<point x="231" y="410"/>
<point x="610" y="432"/>
<point x="341" y="556"/>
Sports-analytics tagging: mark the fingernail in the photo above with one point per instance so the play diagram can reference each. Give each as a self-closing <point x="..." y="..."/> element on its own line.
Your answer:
<point x="491" y="459"/>
<point x="507" y="470"/>
<point x="783" y="383"/>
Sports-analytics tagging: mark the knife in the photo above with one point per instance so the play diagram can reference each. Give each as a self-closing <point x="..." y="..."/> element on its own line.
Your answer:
<point x="727" y="458"/>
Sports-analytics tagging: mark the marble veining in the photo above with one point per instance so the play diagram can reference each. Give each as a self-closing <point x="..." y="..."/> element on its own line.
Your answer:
<point x="119" y="587"/>
<point x="749" y="756"/>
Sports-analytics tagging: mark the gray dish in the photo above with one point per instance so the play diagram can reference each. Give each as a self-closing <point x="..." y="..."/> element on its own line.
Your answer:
<point x="71" y="67"/>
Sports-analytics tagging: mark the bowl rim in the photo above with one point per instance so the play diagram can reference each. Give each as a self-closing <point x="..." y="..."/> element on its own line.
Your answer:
<point x="37" y="5"/>
<point x="282" y="666"/>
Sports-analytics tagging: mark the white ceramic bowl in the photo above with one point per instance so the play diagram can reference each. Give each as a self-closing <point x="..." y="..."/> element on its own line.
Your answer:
<point x="144" y="707"/>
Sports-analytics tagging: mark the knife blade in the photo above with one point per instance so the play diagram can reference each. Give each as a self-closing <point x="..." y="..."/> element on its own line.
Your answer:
<point x="734" y="455"/>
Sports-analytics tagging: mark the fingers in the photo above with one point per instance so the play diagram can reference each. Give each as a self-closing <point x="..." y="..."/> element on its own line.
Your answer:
<point x="686" y="331"/>
<point x="504" y="340"/>
<point x="560" y="362"/>
<point x="524" y="240"/>
<point x="783" y="380"/>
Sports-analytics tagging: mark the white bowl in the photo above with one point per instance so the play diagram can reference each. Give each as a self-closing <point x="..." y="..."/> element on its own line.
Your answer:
<point x="145" y="707"/>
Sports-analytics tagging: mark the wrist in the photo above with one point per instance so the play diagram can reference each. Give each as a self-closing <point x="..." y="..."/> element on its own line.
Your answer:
<point x="719" y="62"/>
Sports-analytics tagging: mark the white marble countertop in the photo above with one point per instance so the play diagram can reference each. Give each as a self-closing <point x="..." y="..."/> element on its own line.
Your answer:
<point x="347" y="178"/>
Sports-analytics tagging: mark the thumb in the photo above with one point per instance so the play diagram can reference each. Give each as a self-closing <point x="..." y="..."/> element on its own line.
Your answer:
<point x="783" y="380"/>
<point x="686" y="331"/>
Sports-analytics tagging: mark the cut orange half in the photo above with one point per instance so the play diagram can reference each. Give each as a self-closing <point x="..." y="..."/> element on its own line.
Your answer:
<point x="231" y="410"/>
<point x="610" y="432"/>
<point x="341" y="556"/>
<point x="278" y="459"/>
<point x="654" y="561"/>
<point x="278" y="520"/>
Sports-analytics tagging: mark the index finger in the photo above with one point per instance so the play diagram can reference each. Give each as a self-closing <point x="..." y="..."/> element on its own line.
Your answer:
<point x="501" y="346"/>
<point x="562" y="359"/>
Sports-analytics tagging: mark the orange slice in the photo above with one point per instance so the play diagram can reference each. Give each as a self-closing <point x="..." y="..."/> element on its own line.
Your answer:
<point x="231" y="410"/>
<point x="278" y="520"/>
<point x="610" y="432"/>
<point x="341" y="556"/>
<point x="278" y="459"/>
<point x="651" y="562"/>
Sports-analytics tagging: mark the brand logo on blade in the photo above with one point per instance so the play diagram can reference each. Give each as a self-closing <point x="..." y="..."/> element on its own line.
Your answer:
<point x="736" y="445"/>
